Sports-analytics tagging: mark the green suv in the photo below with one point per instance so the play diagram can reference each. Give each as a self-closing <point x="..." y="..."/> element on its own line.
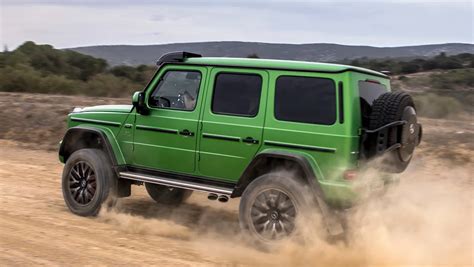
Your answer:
<point x="285" y="136"/>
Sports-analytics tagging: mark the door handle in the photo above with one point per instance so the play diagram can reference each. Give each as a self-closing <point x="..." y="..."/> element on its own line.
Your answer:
<point x="249" y="140"/>
<point x="186" y="132"/>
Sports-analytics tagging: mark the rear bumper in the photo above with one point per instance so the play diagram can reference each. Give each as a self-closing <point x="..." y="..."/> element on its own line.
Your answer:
<point x="346" y="194"/>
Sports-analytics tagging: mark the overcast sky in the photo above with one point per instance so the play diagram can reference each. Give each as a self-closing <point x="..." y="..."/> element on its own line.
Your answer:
<point x="370" y="22"/>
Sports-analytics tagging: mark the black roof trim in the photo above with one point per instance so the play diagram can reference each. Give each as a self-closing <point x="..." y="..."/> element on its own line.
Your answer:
<point x="176" y="57"/>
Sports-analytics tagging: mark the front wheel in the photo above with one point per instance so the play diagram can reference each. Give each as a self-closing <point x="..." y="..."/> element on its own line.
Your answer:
<point x="88" y="181"/>
<point x="271" y="206"/>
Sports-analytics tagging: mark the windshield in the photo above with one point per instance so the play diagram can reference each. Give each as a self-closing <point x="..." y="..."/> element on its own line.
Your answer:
<point x="369" y="91"/>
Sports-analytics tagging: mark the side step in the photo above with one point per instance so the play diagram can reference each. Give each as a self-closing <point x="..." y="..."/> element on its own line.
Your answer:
<point x="176" y="183"/>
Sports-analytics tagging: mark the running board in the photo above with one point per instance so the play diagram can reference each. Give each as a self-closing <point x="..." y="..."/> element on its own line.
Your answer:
<point x="176" y="183"/>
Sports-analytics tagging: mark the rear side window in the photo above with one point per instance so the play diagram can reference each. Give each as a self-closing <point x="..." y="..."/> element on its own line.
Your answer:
<point x="305" y="99"/>
<point x="369" y="91"/>
<point x="237" y="94"/>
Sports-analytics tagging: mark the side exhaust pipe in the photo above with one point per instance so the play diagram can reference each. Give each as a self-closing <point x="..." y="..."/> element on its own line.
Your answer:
<point x="212" y="196"/>
<point x="223" y="198"/>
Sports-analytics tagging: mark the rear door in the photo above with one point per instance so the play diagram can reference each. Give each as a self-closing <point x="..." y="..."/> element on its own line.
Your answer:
<point x="232" y="121"/>
<point x="304" y="118"/>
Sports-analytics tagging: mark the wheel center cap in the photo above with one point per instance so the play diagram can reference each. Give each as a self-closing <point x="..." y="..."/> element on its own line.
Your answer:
<point x="83" y="183"/>
<point x="412" y="128"/>
<point x="274" y="215"/>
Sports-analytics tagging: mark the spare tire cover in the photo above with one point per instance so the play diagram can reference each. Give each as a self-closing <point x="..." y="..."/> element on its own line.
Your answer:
<point x="390" y="107"/>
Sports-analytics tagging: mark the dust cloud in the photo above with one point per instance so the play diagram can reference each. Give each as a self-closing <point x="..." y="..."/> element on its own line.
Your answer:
<point x="426" y="219"/>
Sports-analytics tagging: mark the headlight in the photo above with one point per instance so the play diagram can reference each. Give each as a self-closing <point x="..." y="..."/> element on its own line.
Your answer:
<point x="76" y="110"/>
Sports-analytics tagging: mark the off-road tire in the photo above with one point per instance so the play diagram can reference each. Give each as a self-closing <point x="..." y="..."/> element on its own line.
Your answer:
<point x="167" y="195"/>
<point x="388" y="108"/>
<point x="272" y="184"/>
<point x="102" y="179"/>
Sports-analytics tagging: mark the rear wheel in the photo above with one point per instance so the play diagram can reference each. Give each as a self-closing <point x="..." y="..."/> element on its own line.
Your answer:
<point x="88" y="181"/>
<point x="271" y="206"/>
<point x="167" y="195"/>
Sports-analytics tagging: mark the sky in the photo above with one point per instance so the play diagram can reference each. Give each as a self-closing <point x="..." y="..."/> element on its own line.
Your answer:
<point x="76" y="23"/>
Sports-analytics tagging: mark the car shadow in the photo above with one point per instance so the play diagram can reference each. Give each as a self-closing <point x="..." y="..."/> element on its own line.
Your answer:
<point x="202" y="219"/>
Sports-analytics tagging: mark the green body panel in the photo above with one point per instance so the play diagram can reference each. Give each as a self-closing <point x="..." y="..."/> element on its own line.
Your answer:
<point x="159" y="146"/>
<point x="226" y="159"/>
<point x="216" y="150"/>
<point x="110" y="123"/>
<point x="340" y="138"/>
<point x="125" y="138"/>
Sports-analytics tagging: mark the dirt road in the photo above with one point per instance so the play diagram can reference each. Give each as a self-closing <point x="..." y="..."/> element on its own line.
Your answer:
<point x="37" y="228"/>
<point x="430" y="219"/>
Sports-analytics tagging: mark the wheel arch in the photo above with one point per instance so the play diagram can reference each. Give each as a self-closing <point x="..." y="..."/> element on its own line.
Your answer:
<point x="80" y="137"/>
<point x="269" y="160"/>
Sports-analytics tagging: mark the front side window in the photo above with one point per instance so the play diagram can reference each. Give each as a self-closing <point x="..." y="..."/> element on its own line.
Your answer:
<point x="176" y="89"/>
<point x="237" y="94"/>
<point x="305" y="99"/>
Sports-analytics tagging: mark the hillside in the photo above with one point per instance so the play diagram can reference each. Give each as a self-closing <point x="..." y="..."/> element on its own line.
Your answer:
<point x="443" y="81"/>
<point x="147" y="54"/>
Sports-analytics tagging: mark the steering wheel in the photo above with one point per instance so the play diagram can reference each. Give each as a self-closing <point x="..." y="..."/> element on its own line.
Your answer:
<point x="161" y="103"/>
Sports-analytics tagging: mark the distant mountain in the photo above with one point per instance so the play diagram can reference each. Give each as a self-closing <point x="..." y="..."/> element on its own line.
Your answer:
<point x="148" y="54"/>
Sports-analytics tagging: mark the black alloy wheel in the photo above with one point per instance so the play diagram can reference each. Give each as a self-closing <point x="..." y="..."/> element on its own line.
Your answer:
<point x="82" y="183"/>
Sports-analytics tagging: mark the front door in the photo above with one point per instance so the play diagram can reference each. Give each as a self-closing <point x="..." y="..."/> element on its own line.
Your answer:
<point x="232" y="124"/>
<point x="165" y="139"/>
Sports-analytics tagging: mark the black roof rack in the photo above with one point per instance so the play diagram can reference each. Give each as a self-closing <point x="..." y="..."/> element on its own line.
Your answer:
<point x="176" y="57"/>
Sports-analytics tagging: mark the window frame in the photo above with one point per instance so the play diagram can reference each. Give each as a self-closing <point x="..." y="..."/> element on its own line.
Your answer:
<point x="302" y="122"/>
<point x="236" y="73"/>
<point x="160" y="77"/>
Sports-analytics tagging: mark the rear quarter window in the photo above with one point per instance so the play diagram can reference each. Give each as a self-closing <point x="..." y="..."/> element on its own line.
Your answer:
<point x="305" y="99"/>
<point x="368" y="92"/>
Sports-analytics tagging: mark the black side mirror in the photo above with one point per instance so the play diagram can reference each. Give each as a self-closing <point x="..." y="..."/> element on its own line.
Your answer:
<point x="138" y="101"/>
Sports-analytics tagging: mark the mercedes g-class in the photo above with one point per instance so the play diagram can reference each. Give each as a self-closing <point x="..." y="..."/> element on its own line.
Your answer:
<point x="281" y="135"/>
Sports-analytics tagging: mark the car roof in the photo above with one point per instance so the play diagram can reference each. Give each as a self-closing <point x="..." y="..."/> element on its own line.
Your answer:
<point x="279" y="64"/>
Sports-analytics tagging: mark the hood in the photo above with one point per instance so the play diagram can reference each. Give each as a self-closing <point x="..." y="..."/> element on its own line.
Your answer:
<point x="106" y="108"/>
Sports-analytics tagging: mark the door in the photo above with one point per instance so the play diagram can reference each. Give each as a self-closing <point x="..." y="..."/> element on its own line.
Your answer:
<point x="165" y="139"/>
<point x="304" y="119"/>
<point x="232" y="122"/>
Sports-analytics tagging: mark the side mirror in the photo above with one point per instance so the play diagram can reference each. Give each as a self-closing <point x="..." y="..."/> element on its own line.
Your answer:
<point x="135" y="98"/>
<point x="138" y="101"/>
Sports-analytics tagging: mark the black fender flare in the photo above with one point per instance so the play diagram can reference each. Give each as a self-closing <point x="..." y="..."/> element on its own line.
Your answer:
<point x="71" y="138"/>
<point x="246" y="176"/>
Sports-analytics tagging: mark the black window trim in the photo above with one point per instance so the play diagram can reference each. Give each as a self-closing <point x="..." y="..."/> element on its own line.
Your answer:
<point x="238" y="73"/>
<point x="160" y="76"/>
<point x="300" y="122"/>
<point x="341" y="101"/>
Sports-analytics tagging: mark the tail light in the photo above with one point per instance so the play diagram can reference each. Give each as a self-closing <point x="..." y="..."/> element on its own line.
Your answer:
<point x="350" y="175"/>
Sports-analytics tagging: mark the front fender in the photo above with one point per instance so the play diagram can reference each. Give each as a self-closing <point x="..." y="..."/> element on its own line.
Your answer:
<point x="72" y="139"/>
